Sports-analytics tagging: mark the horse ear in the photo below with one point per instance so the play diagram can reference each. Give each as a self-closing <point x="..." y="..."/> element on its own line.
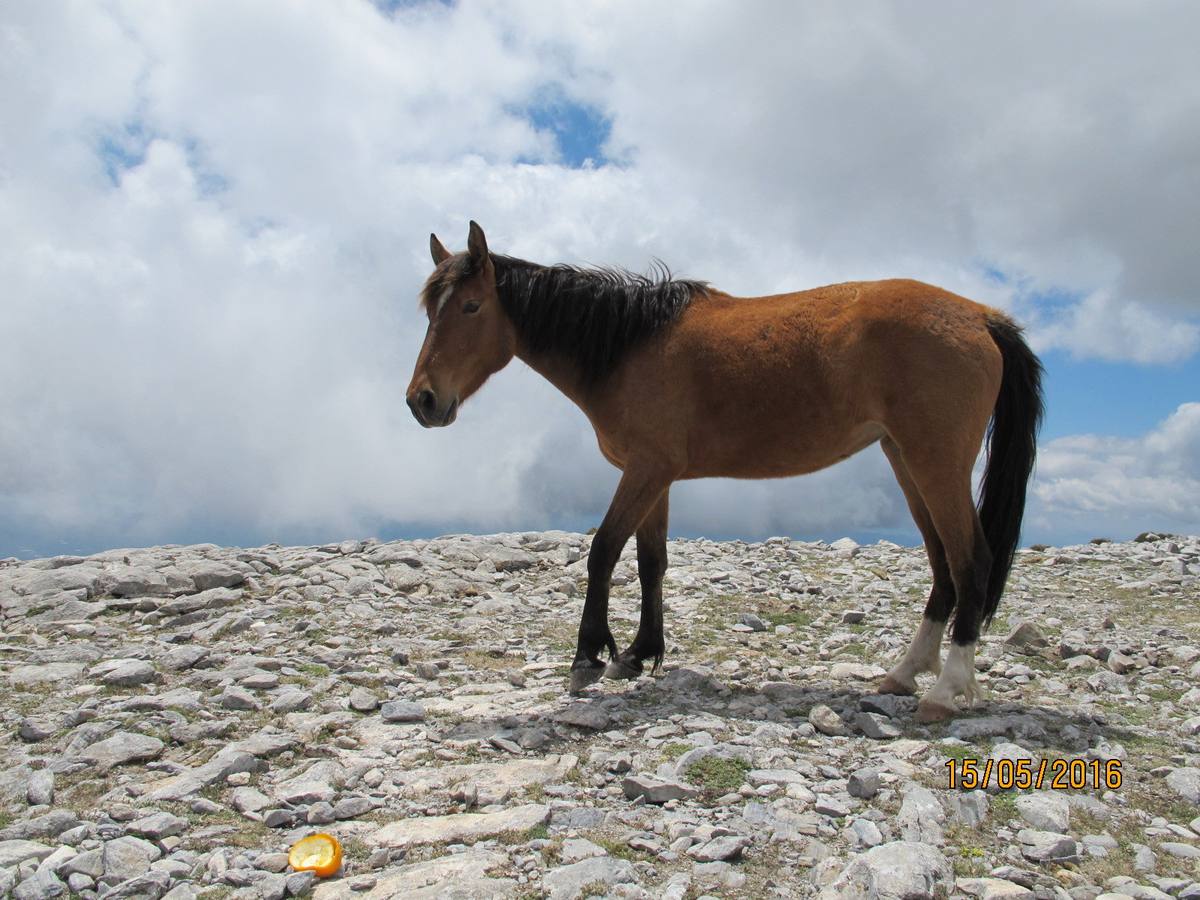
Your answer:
<point x="477" y="243"/>
<point x="437" y="250"/>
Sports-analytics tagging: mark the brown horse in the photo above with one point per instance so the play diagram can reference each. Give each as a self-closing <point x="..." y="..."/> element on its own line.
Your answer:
<point x="683" y="381"/>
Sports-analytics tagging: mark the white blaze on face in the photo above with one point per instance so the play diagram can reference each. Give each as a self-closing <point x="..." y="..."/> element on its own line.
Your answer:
<point x="441" y="301"/>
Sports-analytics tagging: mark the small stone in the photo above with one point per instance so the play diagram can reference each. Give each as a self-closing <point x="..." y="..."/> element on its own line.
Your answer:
<point x="1047" y="846"/>
<point x="725" y="848"/>
<point x="585" y="715"/>
<point x="427" y="670"/>
<point x="876" y="726"/>
<point x="657" y="790"/>
<point x="130" y="674"/>
<point x="279" y="818"/>
<point x="899" y="869"/>
<point x="351" y="807"/>
<point x="863" y="833"/>
<point x="402" y="711"/>
<point x="751" y="621"/>
<point x="825" y="720"/>
<point x="863" y="784"/>
<point x="290" y="700"/>
<point x="320" y="813"/>
<point x="157" y="826"/>
<point x="40" y="789"/>
<point x="300" y="884"/>
<point x="1026" y="634"/>
<point x="234" y="697"/>
<point x="122" y="748"/>
<point x="33" y="730"/>
<point x="567" y="882"/>
<point x="1045" y="810"/>
<point x="363" y="700"/>
<point x="1185" y="782"/>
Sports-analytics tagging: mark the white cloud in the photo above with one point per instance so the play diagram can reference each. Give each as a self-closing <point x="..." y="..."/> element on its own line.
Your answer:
<point x="211" y="322"/>
<point x="1089" y="485"/>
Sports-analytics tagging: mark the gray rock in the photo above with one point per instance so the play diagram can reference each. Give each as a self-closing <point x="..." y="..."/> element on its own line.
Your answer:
<point x="402" y="711"/>
<point x="126" y="858"/>
<point x="586" y="715"/>
<point x="567" y="882"/>
<point x="33" y="730"/>
<point x="177" y="659"/>
<point x="290" y="700"/>
<point x="300" y="884"/>
<point x="863" y="784"/>
<point x="363" y="700"/>
<point x="1045" y="811"/>
<point x="863" y="833"/>
<point x="657" y="790"/>
<point x="899" y="870"/>
<point x="13" y="853"/>
<point x="234" y="697"/>
<point x="969" y="808"/>
<point x="825" y="720"/>
<point x="728" y="847"/>
<point x="122" y="748"/>
<point x="1047" y="846"/>
<point x="41" y="788"/>
<point x="157" y="826"/>
<point x="352" y="807"/>
<point x="42" y="884"/>
<point x="921" y="815"/>
<point x="150" y="886"/>
<point x="130" y="673"/>
<point x="752" y="621"/>
<point x="876" y="726"/>
<point x="1026" y="634"/>
<point x="1185" y="782"/>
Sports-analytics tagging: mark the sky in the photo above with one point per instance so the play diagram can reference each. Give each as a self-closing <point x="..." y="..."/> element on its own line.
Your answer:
<point x="214" y="224"/>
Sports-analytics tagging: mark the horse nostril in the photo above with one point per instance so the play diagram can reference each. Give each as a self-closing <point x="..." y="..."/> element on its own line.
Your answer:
<point x="426" y="401"/>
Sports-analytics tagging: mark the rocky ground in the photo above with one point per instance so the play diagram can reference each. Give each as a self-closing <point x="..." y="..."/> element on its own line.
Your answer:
<point x="174" y="718"/>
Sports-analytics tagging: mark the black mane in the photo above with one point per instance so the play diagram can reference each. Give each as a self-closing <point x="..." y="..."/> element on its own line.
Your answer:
<point x="594" y="315"/>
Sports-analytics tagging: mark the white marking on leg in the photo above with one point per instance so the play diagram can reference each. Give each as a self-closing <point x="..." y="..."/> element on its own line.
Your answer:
<point x="923" y="654"/>
<point x="957" y="679"/>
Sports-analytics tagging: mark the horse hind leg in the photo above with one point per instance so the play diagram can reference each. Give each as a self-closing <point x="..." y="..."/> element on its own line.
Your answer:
<point x="924" y="653"/>
<point x="948" y="498"/>
<point x="652" y="566"/>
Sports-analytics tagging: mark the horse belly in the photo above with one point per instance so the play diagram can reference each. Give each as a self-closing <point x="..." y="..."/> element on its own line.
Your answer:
<point x="777" y="449"/>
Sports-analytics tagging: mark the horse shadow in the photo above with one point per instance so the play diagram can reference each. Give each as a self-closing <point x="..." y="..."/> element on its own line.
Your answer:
<point x="695" y="693"/>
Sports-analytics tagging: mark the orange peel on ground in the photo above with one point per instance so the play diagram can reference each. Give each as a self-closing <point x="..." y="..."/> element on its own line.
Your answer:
<point x="320" y="854"/>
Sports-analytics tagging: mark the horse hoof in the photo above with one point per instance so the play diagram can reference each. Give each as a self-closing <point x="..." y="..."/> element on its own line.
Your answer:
<point x="585" y="675"/>
<point x="932" y="711"/>
<point x="622" y="671"/>
<point x="890" y="685"/>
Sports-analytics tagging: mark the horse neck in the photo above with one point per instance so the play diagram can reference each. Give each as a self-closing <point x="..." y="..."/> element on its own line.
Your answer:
<point x="558" y="370"/>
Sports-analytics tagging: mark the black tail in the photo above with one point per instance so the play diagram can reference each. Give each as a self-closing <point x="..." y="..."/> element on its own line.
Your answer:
<point x="1011" y="450"/>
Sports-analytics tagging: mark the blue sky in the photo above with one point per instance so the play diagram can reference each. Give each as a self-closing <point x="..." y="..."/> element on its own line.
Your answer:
<point x="210" y="291"/>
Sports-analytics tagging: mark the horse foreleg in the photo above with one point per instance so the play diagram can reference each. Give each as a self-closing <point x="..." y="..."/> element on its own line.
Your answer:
<point x="652" y="565"/>
<point x="639" y="490"/>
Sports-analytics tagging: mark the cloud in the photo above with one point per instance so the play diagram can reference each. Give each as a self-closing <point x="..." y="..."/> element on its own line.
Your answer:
<point x="217" y="218"/>
<point x="1090" y="485"/>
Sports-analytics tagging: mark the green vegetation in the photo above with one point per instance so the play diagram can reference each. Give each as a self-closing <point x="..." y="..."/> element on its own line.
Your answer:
<point x="718" y="775"/>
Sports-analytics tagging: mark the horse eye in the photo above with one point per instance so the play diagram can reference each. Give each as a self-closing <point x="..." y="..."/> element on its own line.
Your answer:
<point x="472" y="307"/>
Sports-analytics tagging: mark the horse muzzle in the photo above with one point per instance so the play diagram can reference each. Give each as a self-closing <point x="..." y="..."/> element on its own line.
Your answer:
<point x="426" y="409"/>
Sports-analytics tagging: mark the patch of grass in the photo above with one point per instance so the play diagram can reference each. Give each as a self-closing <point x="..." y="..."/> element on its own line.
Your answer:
<point x="856" y="649"/>
<point x="969" y="863"/>
<point x="317" y="670"/>
<point x="1004" y="806"/>
<point x="619" y="849"/>
<point x="718" y="775"/>
<point x="674" y="750"/>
